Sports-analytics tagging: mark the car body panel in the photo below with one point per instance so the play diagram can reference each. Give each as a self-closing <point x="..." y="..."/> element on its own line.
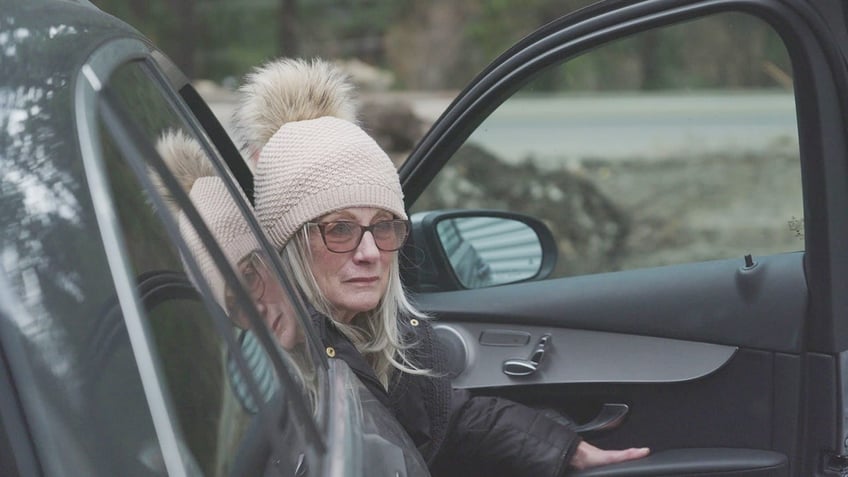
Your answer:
<point x="87" y="386"/>
<point x="61" y="220"/>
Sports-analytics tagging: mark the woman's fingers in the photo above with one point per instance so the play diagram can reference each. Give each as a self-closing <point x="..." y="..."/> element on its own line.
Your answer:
<point x="588" y="455"/>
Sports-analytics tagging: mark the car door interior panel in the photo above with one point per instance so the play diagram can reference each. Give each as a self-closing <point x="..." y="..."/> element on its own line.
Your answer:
<point x="575" y="356"/>
<point x="737" y="420"/>
<point x="719" y="302"/>
<point x="673" y="358"/>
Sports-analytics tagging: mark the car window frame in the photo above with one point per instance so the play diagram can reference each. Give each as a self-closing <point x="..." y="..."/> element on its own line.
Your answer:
<point x="89" y="84"/>
<point x="614" y="238"/>
<point x="561" y="41"/>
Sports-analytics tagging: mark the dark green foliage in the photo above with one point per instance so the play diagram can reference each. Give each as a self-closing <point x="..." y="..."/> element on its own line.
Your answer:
<point x="441" y="44"/>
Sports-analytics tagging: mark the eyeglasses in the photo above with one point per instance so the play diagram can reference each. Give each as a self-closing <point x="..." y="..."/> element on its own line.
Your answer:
<point x="251" y="278"/>
<point x="342" y="236"/>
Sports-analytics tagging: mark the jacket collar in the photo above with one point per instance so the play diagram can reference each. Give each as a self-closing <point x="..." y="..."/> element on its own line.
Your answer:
<point x="343" y="348"/>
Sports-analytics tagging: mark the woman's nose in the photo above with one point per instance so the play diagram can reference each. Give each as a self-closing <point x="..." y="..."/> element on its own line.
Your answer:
<point x="367" y="249"/>
<point x="264" y="312"/>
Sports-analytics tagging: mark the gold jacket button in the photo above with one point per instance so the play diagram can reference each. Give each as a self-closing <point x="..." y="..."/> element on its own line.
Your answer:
<point x="331" y="352"/>
<point x="413" y="322"/>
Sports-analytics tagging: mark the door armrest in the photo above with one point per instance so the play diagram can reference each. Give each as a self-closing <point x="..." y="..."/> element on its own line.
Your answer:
<point x="726" y="462"/>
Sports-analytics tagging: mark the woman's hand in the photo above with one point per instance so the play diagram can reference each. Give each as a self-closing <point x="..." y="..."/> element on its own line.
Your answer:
<point x="588" y="455"/>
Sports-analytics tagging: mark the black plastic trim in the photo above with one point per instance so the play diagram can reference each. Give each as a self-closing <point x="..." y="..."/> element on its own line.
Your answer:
<point x="221" y="139"/>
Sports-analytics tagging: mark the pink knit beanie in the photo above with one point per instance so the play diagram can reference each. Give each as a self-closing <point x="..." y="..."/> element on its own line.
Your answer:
<point x="214" y="204"/>
<point x="316" y="161"/>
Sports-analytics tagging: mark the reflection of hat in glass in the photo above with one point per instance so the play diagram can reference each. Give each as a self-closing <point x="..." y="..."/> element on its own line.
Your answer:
<point x="213" y="202"/>
<point x="313" y="159"/>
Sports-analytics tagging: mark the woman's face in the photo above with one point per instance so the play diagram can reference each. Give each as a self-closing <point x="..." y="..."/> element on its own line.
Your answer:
<point x="271" y="301"/>
<point x="354" y="281"/>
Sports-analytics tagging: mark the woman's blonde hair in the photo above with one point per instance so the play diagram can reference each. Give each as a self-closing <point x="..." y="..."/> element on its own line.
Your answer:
<point x="375" y="333"/>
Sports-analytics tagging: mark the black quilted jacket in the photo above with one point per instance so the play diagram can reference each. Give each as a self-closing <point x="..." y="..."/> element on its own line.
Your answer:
<point x="457" y="433"/>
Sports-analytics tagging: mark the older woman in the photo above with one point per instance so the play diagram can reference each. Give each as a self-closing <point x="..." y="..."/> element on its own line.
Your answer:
<point x="268" y="298"/>
<point x="331" y="202"/>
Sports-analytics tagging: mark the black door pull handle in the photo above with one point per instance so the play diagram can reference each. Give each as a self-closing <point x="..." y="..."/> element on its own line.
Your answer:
<point x="610" y="417"/>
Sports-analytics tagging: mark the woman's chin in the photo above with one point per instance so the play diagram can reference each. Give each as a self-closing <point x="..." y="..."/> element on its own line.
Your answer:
<point x="287" y="342"/>
<point x="351" y="309"/>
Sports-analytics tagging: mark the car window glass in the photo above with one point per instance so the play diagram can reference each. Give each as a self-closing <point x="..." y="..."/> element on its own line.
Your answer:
<point x="673" y="145"/>
<point x="222" y="383"/>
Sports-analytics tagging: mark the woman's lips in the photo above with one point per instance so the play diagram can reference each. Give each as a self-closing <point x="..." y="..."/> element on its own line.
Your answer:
<point x="362" y="280"/>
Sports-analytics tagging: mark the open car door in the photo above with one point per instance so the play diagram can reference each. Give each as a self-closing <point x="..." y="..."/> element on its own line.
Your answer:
<point x="686" y="289"/>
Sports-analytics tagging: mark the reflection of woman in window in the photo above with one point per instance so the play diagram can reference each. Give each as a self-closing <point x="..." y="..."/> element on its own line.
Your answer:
<point x="331" y="202"/>
<point x="231" y="231"/>
<point x="270" y="299"/>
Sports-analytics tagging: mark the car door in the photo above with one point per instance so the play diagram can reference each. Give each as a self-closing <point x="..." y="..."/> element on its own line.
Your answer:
<point x="688" y="159"/>
<point x="130" y="338"/>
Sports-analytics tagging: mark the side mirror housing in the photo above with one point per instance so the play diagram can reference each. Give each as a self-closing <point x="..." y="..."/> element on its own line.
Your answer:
<point x="477" y="248"/>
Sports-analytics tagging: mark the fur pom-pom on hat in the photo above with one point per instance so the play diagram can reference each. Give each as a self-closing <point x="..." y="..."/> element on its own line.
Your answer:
<point x="185" y="159"/>
<point x="287" y="90"/>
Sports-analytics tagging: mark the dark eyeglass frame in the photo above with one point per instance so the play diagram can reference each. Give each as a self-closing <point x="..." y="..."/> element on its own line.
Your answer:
<point x="255" y="286"/>
<point x="322" y="226"/>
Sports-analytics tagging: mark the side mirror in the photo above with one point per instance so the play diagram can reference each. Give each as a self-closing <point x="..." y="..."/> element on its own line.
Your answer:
<point x="467" y="249"/>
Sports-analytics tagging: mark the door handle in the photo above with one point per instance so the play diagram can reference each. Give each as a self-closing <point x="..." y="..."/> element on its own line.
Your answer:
<point x="526" y="367"/>
<point x="610" y="417"/>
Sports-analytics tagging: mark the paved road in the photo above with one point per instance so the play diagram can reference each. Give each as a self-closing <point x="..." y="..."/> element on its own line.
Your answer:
<point x="622" y="125"/>
<point x="647" y="126"/>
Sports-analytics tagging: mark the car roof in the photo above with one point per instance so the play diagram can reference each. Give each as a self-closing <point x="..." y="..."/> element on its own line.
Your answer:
<point x="28" y="32"/>
<point x="37" y="73"/>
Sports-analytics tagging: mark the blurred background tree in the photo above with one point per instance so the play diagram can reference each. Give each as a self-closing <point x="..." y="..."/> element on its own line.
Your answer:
<point x="437" y="44"/>
<point x="432" y="44"/>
